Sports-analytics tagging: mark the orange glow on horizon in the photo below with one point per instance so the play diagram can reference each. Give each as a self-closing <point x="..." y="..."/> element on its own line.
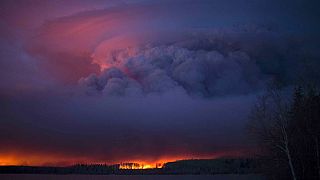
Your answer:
<point x="15" y="159"/>
<point x="141" y="165"/>
<point x="43" y="159"/>
<point x="47" y="160"/>
<point x="53" y="160"/>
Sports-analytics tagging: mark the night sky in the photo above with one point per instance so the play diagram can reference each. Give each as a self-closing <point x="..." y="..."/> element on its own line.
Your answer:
<point x="144" y="81"/>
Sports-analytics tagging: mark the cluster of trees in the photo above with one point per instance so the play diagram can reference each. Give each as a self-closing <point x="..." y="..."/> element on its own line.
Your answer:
<point x="131" y="166"/>
<point x="288" y="132"/>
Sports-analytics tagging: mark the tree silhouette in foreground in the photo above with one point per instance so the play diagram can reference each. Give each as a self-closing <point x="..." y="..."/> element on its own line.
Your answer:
<point x="287" y="130"/>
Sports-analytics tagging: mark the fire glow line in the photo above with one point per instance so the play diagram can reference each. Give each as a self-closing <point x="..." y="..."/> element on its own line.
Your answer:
<point x="140" y="166"/>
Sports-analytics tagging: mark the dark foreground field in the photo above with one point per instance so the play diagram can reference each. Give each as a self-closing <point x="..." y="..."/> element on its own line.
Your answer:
<point x="126" y="177"/>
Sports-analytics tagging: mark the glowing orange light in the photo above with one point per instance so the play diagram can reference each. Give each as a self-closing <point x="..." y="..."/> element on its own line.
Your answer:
<point x="140" y="166"/>
<point x="47" y="159"/>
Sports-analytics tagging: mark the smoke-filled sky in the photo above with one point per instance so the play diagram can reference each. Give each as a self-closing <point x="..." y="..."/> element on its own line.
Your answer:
<point x="140" y="80"/>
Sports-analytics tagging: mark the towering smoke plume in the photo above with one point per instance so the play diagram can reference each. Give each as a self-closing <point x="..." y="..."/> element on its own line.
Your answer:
<point x="159" y="69"/>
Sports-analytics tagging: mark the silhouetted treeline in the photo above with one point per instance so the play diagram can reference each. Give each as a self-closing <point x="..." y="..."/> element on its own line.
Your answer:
<point x="214" y="166"/>
<point x="288" y="132"/>
<point x="210" y="166"/>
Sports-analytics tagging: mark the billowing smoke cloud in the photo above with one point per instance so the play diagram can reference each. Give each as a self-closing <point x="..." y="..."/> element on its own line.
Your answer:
<point x="141" y="80"/>
<point x="160" y="69"/>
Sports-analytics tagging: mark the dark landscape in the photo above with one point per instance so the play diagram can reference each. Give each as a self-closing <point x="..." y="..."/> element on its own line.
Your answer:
<point x="191" y="167"/>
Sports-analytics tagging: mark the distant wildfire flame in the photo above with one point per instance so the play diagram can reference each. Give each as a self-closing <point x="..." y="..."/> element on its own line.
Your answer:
<point x="140" y="166"/>
<point x="40" y="159"/>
